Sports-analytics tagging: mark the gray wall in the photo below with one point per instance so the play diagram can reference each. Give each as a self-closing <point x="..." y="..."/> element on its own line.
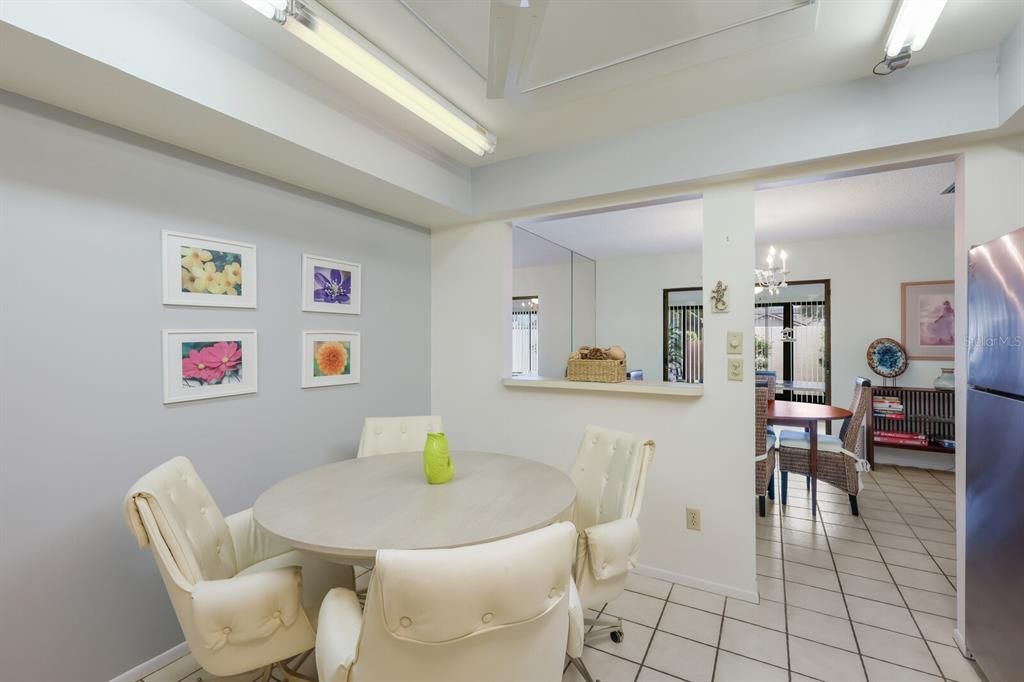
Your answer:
<point x="82" y="205"/>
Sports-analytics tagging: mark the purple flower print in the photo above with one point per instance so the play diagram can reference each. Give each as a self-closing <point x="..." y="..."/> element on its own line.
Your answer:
<point x="332" y="286"/>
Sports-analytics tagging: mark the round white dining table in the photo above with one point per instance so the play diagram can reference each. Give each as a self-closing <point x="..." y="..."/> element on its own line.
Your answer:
<point x="347" y="510"/>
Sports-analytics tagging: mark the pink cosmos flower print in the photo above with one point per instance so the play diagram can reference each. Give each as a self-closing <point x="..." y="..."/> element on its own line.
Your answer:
<point x="206" y="363"/>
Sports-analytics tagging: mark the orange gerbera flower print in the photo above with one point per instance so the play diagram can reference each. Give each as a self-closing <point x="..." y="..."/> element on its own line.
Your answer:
<point x="331" y="356"/>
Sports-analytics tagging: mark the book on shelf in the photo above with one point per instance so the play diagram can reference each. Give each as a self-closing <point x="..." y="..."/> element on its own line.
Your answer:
<point x="895" y="416"/>
<point x="899" y="435"/>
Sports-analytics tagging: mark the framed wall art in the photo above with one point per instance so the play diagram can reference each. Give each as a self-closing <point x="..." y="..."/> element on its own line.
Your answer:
<point x="330" y="358"/>
<point x="928" y="320"/>
<point x="330" y="285"/>
<point x="200" y="364"/>
<point x="205" y="271"/>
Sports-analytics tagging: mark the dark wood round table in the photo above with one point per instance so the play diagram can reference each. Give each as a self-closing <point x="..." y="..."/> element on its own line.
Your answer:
<point x="806" y="415"/>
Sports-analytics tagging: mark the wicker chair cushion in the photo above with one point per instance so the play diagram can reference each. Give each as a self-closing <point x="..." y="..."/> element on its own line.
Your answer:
<point x="801" y="440"/>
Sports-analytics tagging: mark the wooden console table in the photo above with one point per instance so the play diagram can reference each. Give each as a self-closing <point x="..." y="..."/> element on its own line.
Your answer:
<point x="925" y="410"/>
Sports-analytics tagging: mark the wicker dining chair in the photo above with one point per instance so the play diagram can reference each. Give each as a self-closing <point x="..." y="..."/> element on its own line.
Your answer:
<point x="764" y="451"/>
<point x="840" y="458"/>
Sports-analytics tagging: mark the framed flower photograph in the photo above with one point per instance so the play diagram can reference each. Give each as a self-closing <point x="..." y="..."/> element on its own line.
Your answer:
<point x="204" y="271"/>
<point x="331" y="286"/>
<point x="928" y="319"/>
<point x="330" y="358"/>
<point x="200" y="364"/>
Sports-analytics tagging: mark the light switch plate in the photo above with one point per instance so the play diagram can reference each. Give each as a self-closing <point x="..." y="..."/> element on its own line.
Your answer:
<point x="735" y="369"/>
<point x="734" y="343"/>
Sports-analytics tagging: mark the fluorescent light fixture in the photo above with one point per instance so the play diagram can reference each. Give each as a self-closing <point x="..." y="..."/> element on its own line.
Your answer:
<point x="268" y="8"/>
<point x="914" y="22"/>
<point x="324" y="32"/>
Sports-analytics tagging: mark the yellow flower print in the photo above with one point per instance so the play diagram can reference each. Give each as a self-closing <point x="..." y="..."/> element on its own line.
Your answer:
<point x="189" y="282"/>
<point x="230" y="290"/>
<point x="211" y="280"/>
<point x="233" y="273"/>
<point x="191" y="258"/>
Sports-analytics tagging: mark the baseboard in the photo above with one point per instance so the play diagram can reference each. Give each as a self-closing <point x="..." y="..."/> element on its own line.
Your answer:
<point x="152" y="665"/>
<point x="958" y="639"/>
<point x="698" y="583"/>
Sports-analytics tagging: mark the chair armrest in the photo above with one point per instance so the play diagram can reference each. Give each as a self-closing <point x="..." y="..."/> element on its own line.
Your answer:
<point x="577" y="628"/>
<point x="337" y="636"/>
<point x="252" y="543"/>
<point x="247" y="607"/>
<point x="613" y="547"/>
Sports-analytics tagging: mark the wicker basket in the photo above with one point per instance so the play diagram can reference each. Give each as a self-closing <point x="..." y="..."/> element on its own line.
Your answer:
<point x="604" y="371"/>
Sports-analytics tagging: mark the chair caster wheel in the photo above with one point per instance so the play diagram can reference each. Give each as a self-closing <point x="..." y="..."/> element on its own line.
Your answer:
<point x="618" y="636"/>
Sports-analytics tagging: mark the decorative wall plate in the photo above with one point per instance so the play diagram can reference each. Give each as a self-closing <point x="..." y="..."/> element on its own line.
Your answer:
<point x="887" y="357"/>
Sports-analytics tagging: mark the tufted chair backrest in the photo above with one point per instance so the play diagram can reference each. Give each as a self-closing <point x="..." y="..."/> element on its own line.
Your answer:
<point x="189" y="522"/>
<point x="388" y="435"/>
<point x="609" y="473"/>
<point x="496" y="611"/>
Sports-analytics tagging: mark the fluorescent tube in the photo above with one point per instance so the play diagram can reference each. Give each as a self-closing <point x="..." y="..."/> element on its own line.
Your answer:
<point x="328" y="35"/>
<point x="914" y="22"/>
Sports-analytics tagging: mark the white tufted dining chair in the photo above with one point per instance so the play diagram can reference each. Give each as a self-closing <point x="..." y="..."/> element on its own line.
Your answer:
<point x="610" y="474"/>
<point x="245" y="600"/>
<point x="388" y="435"/>
<point x="492" y="612"/>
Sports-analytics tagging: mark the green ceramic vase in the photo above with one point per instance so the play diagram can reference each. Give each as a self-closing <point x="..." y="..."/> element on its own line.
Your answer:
<point x="437" y="464"/>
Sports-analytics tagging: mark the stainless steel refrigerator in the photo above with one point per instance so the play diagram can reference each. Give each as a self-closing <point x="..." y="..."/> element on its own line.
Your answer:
<point x="994" y="570"/>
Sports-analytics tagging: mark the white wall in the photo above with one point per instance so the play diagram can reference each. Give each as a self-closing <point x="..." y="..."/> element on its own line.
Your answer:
<point x="553" y="285"/>
<point x="584" y="301"/>
<point x="703" y="444"/>
<point x="990" y="203"/>
<point x="866" y="272"/>
<point x="82" y="206"/>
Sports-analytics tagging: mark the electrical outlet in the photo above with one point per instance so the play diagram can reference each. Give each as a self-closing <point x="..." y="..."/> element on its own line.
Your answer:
<point x="692" y="519"/>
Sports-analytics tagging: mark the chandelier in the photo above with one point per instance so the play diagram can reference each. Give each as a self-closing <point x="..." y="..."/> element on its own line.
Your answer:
<point x="773" y="278"/>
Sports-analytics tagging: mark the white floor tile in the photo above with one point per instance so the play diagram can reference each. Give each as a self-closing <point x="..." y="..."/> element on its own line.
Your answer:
<point x="875" y="525"/>
<point x="947" y="536"/>
<point x="947" y="566"/>
<point x="922" y="580"/>
<point x="699" y="599"/>
<point x="680" y="657"/>
<point x="954" y="665"/>
<point x="930" y="602"/>
<point x="691" y="623"/>
<point x="888" y="616"/>
<point x="855" y="549"/>
<point x="871" y="589"/>
<point x="638" y="608"/>
<point x="812" y="540"/>
<point x="901" y="557"/>
<point x="935" y="628"/>
<point x="821" y="628"/>
<point x="767" y="614"/>
<point x="603" y="667"/>
<point x="940" y="549"/>
<point x="898" y="542"/>
<point x="769" y="567"/>
<point x="633" y="645"/>
<point x="911" y="652"/>
<point x="652" y="675"/>
<point x="733" y="668"/>
<point x="824" y="662"/>
<point x="752" y="641"/>
<point x="770" y="588"/>
<point x="812" y="557"/>
<point x="769" y="549"/>
<point x="810" y="575"/>
<point x="863" y="568"/>
<point x="815" y="599"/>
<point x="652" y="587"/>
<point x="880" y="671"/>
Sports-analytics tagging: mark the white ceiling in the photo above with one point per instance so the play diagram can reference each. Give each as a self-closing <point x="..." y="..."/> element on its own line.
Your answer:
<point x="444" y="42"/>
<point x="877" y="202"/>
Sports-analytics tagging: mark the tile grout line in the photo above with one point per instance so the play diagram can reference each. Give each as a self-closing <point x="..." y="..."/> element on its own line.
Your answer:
<point x="654" y="633"/>
<point x="785" y="596"/>
<point x="935" y="509"/>
<point x="902" y="597"/>
<point x="849" y="616"/>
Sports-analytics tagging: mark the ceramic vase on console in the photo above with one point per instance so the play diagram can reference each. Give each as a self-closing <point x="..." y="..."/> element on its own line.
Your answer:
<point x="946" y="381"/>
<point x="437" y="464"/>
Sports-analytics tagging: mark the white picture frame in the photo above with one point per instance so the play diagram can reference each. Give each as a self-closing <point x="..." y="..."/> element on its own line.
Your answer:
<point x="334" y="273"/>
<point x="231" y="266"/>
<point x="234" y="370"/>
<point x="314" y="374"/>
